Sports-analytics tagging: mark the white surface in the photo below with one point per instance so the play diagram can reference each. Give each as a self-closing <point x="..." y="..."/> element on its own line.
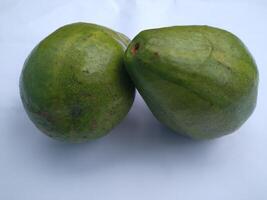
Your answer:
<point x="139" y="159"/>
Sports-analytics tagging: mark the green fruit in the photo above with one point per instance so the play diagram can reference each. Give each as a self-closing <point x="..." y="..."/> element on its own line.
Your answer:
<point x="73" y="84"/>
<point x="200" y="81"/>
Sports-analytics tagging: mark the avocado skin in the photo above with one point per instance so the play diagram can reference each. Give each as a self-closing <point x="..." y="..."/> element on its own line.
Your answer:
<point x="199" y="81"/>
<point x="74" y="86"/>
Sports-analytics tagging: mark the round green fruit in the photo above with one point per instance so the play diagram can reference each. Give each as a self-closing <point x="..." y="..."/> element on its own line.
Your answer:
<point x="198" y="80"/>
<point x="73" y="84"/>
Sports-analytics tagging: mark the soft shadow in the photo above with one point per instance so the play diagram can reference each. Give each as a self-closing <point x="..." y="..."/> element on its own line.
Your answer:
<point x="138" y="140"/>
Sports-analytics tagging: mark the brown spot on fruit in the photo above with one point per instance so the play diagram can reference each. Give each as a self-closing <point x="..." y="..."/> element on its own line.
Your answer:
<point x="93" y="124"/>
<point x="156" y="54"/>
<point x="45" y="115"/>
<point x="135" y="48"/>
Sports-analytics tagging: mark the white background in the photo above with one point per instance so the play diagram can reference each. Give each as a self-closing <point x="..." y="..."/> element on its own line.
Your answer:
<point x="140" y="159"/>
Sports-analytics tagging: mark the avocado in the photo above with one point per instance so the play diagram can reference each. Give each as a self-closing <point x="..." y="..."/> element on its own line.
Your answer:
<point x="199" y="81"/>
<point x="74" y="86"/>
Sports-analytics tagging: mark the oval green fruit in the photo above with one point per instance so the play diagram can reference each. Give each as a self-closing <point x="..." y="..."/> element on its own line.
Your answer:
<point x="73" y="84"/>
<point x="200" y="81"/>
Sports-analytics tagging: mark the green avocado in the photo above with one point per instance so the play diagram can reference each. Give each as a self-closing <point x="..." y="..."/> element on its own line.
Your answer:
<point x="74" y="86"/>
<point x="200" y="81"/>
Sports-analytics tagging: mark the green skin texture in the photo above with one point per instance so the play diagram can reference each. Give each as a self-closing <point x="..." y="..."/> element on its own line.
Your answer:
<point x="200" y="81"/>
<point x="74" y="85"/>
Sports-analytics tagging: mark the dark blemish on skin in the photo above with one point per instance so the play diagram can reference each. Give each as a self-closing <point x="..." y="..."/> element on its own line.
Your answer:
<point x="86" y="38"/>
<point x="85" y="94"/>
<point x="110" y="113"/>
<point x="76" y="111"/>
<point x="226" y="66"/>
<point x="156" y="54"/>
<point x="45" y="115"/>
<point x="135" y="48"/>
<point x="93" y="125"/>
<point x="86" y="71"/>
<point x="73" y="78"/>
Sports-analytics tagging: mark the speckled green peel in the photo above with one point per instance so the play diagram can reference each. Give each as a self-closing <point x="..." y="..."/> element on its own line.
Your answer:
<point x="198" y="80"/>
<point x="73" y="84"/>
